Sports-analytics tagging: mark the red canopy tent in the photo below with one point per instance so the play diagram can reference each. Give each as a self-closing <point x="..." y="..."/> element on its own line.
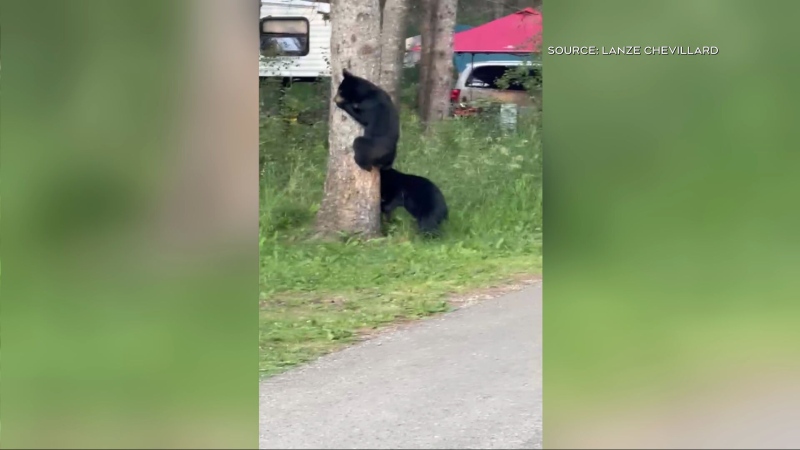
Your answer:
<point x="520" y="32"/>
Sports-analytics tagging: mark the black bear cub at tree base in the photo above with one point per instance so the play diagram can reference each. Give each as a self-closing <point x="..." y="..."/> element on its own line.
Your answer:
<point x="372" y="108"/>
<point x="418" y="195"/>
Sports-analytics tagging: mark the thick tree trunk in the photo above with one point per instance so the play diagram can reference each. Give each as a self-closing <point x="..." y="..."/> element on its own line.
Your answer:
<point x="393" y="34"/>
<point x="440" y="71"/>
<point x="351" y="202"/>
<point x="427" y="34"/>
<point x="498" y="9"/>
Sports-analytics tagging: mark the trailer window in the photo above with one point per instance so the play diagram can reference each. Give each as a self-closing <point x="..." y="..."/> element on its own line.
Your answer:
<point x="284" y="36"/>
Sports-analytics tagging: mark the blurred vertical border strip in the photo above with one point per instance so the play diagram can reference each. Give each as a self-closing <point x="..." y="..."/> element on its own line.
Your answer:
<point x="129" y="181"/>
<point x="672" y="184"/>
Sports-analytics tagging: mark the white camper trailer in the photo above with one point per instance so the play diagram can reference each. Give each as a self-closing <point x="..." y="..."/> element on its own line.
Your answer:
<point x="295" y="39"/>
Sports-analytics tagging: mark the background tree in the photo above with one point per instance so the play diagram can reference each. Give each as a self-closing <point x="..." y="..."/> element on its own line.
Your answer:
<point x="499" y="9"/>
<point x="436" y="64"/>
<point x="440" y="73"/>
<point x="351" y="201"/>
<point x="393" y="37"/>
<point x="425" y="15"/>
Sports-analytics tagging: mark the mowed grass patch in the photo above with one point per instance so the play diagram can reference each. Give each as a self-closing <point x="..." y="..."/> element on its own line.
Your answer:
<point x="317" y="296"/>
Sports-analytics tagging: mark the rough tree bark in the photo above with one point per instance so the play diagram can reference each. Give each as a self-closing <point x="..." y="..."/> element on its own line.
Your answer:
<point x="393" y="34"/>
<point x="440" y="70"/>
<point x="427" y="31"/>
<point x="498" y="9"/>
<point x="351" y="202"/>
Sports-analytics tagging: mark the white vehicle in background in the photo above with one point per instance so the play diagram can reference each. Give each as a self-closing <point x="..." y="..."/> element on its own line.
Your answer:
<point x="477" y="84"/>
<point x="295" y="40"/>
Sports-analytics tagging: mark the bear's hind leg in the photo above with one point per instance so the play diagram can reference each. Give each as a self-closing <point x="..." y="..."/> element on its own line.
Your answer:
<point x="376" y="152"/>
<point x="362" y="147"/>
<point x="382" y="153"/>
<point x="429" y="224"/>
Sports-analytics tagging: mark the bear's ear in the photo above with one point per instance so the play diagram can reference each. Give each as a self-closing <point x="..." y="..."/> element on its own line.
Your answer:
<point x="346" y="73"/>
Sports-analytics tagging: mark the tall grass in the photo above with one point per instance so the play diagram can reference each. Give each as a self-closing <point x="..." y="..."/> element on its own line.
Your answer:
<point x="317" y="294"/>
